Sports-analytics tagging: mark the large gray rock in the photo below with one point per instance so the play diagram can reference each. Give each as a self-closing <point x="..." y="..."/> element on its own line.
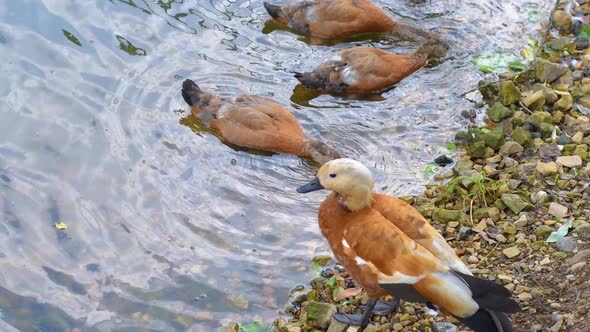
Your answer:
<point x="567" y="244"/>
<point x="546" y="71"/>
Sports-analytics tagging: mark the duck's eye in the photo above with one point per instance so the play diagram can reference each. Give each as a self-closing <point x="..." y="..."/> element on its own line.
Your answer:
<point x="333" y="175"/>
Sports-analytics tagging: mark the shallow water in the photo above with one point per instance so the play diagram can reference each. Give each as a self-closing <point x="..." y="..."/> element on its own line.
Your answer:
<point x="169" y="229"/>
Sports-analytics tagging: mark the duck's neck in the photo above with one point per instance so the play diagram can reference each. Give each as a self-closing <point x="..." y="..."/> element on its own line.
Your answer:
<point x="357" y="199"/>
<point x="408" y="31"/>
<point x="207" y="108"/>
<point x="320" y="152"/>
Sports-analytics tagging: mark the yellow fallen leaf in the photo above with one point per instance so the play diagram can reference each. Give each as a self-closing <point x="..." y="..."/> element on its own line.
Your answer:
<point x="61" y="225"/>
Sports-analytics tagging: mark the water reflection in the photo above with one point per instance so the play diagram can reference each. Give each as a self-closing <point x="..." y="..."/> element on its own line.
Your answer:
<point x="168" y="228"/>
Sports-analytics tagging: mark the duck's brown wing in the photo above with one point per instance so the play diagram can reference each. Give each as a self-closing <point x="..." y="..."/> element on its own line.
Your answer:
<point x="403" y="267"/>
<point x="260" y="123"/>
<point x="369" y="69"/>
<point x="413" y="224"/>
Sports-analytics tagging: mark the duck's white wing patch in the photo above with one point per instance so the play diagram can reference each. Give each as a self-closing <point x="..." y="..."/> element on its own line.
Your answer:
<point x="345" y="244"/>
<point x="349" y="76"/>
<point x="399" y="278"/>
<point x="360" y="261"/>
<point x="336" y="57"/>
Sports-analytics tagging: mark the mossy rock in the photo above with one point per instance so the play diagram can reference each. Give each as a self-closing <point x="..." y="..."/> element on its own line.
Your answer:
<point x="522" y="136"/>
<point x="546" y="71"/>
<point x="519" y="118"/>
<point x="546" y="129"/>
<point x="494" y="139"/>
<point x="539" y="117"/>
<point x="477" y="149"/>
<point x="508" y="93"/>
<point x="320" y="314"/>
<point x="499" y="112"/>
<point x="564" y="103"/>
<point x="444" y="216"/>
<point x="322" y="260"/>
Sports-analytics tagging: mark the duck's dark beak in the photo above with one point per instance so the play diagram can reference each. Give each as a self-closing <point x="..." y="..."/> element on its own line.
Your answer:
<point x="312" y="186"/>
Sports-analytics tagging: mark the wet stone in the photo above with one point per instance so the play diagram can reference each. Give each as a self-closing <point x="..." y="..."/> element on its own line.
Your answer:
<point x="581" y="43"/>
<point x="443" y="160"/>
<point x="567" y="244"/>
<point x="562" y="20"/>
<point x="577" y="75"/>
<point x="443" y="327"/>
<point x="563" y="140"/>
<point x="549" y="151"/>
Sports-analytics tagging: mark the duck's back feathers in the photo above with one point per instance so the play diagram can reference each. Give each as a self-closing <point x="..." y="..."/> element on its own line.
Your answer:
<point x="360" y="69"/>
<point x="332" y="18"/>
<point x="259" y="123"/>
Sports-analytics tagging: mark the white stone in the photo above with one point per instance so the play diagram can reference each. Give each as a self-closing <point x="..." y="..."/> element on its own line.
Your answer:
<point x="557" y="210"/>
<point x="569" y="161"/>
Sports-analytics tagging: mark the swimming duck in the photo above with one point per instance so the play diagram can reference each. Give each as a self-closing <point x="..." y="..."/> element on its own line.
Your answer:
<point x="389" y="248"/>
<point x="365" y="70"/>
<point x="254" y="122"/>
<point x="329" y="19"/>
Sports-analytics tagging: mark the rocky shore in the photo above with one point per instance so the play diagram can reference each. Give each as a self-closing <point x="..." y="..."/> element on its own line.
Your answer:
<point x="516" y="205"/>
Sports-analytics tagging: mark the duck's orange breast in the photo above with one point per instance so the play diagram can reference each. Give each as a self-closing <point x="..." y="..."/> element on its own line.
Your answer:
<point x="339" y="18"/>
<point x="259" y="123"/>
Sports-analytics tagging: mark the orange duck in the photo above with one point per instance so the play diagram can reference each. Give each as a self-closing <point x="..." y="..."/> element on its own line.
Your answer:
<point x="389" y="248"/>
<point x="329" y="19"/>
<point x="254" y="122"/>
<point x="365" y="70"/>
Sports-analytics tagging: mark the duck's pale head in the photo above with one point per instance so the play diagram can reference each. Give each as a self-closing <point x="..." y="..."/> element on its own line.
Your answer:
<point x="351" y="180"/>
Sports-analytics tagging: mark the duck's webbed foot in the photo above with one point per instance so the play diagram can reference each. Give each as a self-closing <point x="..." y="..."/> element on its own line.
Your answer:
<point x="373" y="307"/>
<point x="385" y="308"/>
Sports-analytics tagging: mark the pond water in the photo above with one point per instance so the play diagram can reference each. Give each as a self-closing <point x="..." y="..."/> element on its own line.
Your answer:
<point x="168" y="229"/>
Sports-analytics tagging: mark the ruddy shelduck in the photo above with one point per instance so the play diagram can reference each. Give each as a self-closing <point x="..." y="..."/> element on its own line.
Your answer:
<point x="389" y="248"/>
<point x="329" y="19"/>
<point x="365" y="70"/>
<point x="254" y="122"/>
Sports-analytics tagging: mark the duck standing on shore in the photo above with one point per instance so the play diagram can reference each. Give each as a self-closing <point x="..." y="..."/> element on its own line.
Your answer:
<point x="254" y="122"/>
<point x="329" y="19"/>
<point x="366" y="70"/>
<point x="389" y="248"/>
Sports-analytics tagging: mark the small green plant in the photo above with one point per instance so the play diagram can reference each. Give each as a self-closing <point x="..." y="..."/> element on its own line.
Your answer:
<point x="482" y="188"/>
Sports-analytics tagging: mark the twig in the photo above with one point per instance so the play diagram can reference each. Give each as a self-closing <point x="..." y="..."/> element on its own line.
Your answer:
<point x="488" y="255"/>
<point x="479" y="87"/>
<point x="471" y="211"/>
<point x="524" y="107"/>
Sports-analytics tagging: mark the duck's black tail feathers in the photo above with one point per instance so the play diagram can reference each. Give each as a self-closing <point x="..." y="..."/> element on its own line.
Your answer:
<point x="494" y="302"/>
<point x="191" y="92"/>
<point x="488" y="321"/>
<point x="275" y="11"/>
